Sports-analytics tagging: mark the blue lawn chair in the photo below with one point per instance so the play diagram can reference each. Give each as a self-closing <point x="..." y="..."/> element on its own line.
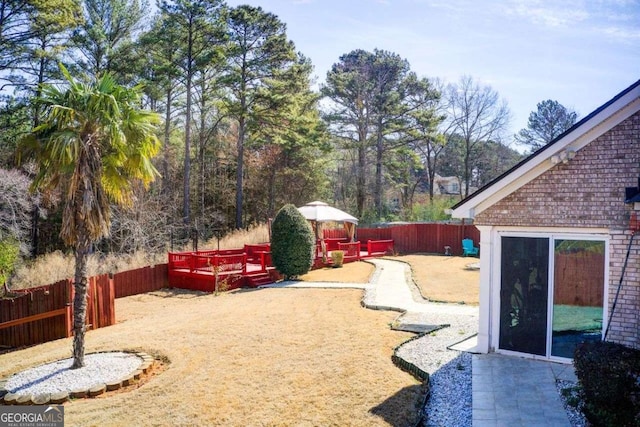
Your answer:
<point x="468" y="248"/>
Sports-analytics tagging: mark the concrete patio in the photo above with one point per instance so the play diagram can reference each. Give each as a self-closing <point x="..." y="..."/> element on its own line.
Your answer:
<point x="512" y="391"/>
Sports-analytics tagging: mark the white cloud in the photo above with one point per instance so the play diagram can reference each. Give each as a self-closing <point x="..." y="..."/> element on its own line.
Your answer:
<point x="550" y="14"/>
<point x="624" y="34"/>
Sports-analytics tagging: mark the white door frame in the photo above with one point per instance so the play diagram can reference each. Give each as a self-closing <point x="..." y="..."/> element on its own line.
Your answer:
<point x="492" y="312"/>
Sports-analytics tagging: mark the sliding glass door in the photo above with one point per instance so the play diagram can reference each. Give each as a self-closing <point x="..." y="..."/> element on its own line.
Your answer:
<point x="523" y="294"/>
<point x="551" y="294"/>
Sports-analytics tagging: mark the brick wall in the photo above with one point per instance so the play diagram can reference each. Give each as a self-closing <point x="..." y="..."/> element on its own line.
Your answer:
<point x="625" y="325"/>
<point x="588" y="192"/>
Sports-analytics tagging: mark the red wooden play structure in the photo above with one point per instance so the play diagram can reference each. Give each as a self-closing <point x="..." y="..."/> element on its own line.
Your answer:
<point x="251" y="266"/>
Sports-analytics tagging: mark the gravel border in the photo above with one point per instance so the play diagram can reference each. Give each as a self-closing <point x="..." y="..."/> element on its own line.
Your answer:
<point x="576" y="417"/>
<point x="450" y="402"/>
<point x="56" y="383"/>
<point x="426" y="356"/>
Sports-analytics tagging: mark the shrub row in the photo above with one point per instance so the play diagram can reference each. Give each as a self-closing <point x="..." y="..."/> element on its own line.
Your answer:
<point x="609" y="375"/>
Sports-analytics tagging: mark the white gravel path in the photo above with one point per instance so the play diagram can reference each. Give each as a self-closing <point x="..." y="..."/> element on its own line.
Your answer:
<point x="449" y="371"/>
<point x="101" y="368"/>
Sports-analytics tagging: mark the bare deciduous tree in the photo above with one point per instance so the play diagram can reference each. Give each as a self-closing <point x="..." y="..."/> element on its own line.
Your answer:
<point x="475" y="113"/>
<point x="16" y="205"/>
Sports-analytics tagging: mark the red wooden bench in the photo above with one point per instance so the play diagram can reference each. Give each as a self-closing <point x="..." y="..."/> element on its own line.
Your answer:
<point x="379" y="247"/>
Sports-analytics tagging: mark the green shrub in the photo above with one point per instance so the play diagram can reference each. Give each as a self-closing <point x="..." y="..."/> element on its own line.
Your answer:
<point x="434" y="210"/>
<point x="292" y="242"/>
<point x="9" y="255"/>
<point x="609" y="375"/>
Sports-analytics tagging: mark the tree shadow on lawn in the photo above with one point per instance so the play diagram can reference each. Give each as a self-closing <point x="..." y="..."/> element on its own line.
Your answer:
<point x="404" y="407"/>
<point x="177" y="293"/>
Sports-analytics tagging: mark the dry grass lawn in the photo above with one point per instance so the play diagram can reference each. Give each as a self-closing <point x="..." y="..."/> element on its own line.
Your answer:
<point x="440" y="278"/>
<point x="444" y="278"/>
<point x="268" y="357"/>
<point x="352" y="272"/>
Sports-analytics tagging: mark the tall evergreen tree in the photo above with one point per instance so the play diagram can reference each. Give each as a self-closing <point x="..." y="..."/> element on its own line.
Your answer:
<point x="258" y="56"/>
<point x="350" y="87"/>
<point x="391" y="77"/>
<point x="372" y="97"/>
<point x="288" y="149"/>
<point x="23" y="21"/>
<point x="546" y="123"/>
<point x="199" y="25"/>
<point x="108" y="25"/>
<point x="32" y="34"/>
<point x="45" y="49"/>
<point x="422" y="132"/>
<point x="161" y="74"/>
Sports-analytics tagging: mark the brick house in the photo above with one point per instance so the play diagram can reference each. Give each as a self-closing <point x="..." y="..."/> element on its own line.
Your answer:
<point x="555" y="231"/>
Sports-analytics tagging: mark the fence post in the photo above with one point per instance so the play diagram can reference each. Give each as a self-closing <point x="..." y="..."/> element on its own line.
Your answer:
<point x="68" y="319"/>
<point x="111" y="301"/>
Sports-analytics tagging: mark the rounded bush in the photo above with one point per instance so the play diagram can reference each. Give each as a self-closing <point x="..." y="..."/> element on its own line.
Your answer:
<point x="609" y="374"/>
<point x="292" y="242"/>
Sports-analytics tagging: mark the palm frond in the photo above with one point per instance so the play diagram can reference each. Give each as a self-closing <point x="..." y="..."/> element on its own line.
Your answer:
<point x="93" y="143"/>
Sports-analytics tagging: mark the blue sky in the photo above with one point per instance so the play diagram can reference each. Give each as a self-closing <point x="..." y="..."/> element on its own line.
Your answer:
<point x="580" y="53"/>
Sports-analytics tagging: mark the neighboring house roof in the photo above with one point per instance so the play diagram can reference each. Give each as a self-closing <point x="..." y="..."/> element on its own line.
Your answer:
<point x="446" y="184"/>
<point x="446" y="179"/>
<point x="563" y="148"/>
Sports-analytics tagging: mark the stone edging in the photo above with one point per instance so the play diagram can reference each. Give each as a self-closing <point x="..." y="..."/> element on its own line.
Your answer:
<point x="407" y="366"/>
<point x="7" y="398"/>
<point x="417" y="373"/>
<point x="403" y="364"/>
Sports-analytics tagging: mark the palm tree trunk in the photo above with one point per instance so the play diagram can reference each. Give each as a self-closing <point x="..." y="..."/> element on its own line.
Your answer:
<point x="80" y="300"/>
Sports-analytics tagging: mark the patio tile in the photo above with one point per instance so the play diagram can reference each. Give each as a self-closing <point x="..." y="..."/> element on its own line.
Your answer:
<point x="504" y="395"/>
<point x="483" y="400"/>
<point x="507" y="423"/>
<point x="484" y="414"/>
<point x="506" y="403"/>
<point x="512" y="412"/>
<point x="524" y="391"/>
<point x="485" y="423"/>
<point x="564" y="372"/>
<point x="481" y="386"/>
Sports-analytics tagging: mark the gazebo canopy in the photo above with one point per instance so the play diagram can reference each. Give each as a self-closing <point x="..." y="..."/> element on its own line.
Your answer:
<point x="322" y="212"/>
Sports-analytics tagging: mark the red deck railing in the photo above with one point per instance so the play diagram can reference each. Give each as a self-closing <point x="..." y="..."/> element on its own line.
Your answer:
<point x="234" y="268"/>
<point x="351" y="251"/>
<point x="379" y="247"/>
<point x="416" y="237"/>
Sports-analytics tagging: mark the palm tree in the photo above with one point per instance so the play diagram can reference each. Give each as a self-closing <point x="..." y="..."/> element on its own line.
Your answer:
<point x="93" y="146"/>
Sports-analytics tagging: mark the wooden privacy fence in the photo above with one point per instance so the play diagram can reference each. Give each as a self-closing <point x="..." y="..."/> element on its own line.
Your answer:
<point x="578" y="279"/>
<point x="141" y="280"/>
<point x="44" y="314"/>
<point x="417" y="237"/>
